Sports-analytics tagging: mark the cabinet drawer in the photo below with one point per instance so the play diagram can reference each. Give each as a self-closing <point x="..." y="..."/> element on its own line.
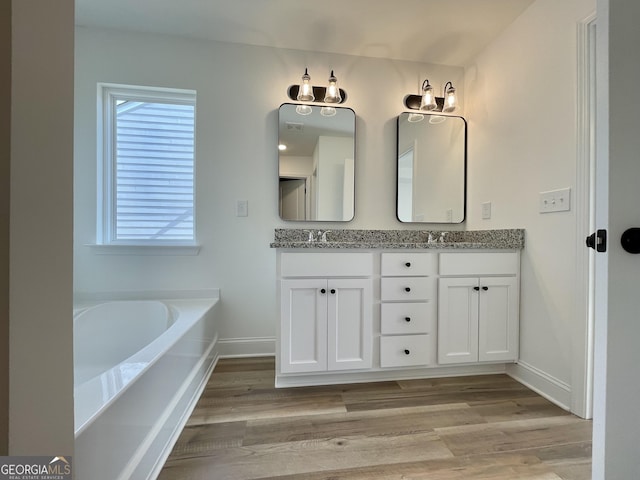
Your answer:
<point x="407" y="318"/>
<point x="328" y="264"/>
<point x="407" y="288"/>
<point x="405" y="350"/>
<point x="506" y="263"/>
<point x="408" y="264"/>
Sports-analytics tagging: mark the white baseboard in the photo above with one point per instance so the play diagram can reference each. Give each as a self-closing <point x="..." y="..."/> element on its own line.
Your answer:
<point x="382" y="375"/>
<point x="549" y="387"/>
<point x="247" y="347"/>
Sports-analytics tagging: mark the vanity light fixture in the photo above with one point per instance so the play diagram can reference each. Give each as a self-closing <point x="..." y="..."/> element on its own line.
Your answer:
<point x="428" y="102"/>
<point x="332" y="94"/>
<point x="305" y="92"/>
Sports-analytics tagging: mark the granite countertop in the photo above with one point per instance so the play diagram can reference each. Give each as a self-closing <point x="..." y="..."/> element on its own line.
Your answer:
<point x="400" y="239"/>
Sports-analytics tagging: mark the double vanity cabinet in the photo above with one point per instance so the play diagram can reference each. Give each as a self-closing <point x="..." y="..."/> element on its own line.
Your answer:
<point x="379" y="310"/>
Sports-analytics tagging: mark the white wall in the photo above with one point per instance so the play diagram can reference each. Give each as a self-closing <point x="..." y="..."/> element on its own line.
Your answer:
<point x="295" y="166"/>
<point x="521" y="108"/>
<point x="239" y="91"/>
<point x="333" y="154"/>
<point x="41" y="214"/>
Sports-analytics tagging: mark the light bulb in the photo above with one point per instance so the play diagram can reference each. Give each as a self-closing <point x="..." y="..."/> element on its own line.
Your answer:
<point x="428" y="102"/>
<point x="305" y="93"/>
<point x="450" y="99"/>
<point x="332" y="94"/>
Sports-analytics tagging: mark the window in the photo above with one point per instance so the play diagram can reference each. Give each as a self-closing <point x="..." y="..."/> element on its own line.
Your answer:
<point x="146" y="196"/>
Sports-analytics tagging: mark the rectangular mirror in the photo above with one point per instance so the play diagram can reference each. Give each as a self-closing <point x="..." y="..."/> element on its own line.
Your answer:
<point x="431" y="168"/>
<point x="316" y="159"/>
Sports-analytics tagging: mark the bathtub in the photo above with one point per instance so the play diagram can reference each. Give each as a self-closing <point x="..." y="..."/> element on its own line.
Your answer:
<point x="139" y="368"/>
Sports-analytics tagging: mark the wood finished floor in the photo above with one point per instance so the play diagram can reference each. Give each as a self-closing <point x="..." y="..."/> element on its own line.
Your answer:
<point x="483" y="427"/>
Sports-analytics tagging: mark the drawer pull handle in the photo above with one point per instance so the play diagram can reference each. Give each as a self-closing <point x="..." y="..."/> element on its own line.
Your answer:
<point x="485" y="288"/>
<point x="408" y="264"/>
<point x="406" y="351"/>
<point x="407" y="289"/>
<point x="323" y="291"/>
<point x="407" y="319"/>
<point x="333" y="290"/>
<point x="476" y="288"/>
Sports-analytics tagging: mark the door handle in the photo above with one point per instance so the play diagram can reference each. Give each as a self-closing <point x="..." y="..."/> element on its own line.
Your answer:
<point x="631" y="240"/>
<point x="598" y="241"/>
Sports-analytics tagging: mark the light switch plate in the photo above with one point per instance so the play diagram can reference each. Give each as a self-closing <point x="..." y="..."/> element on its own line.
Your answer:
<point x="242" y="208"/>
<point x="486" y="210"/>
<point x="555" y="201"/>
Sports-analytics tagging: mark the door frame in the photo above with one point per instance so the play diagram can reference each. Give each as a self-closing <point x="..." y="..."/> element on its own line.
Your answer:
<point x="582" y="348"/>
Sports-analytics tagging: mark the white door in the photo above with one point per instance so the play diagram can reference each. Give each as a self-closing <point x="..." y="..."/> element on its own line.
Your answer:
<point x="457" y="320"/>
<point x="498" y="319"/>
<point x="303" y="325"/>
<point x="617" y="323"/>
<point x="292" y="199"/>
<point x="350" y="333"/>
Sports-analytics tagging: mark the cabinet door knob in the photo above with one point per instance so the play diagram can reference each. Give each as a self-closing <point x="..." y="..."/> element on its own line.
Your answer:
<point x="406" y="351"/>
<point x="476" y="288"/>
<point x="407" y="319"/>
<point x="323" y="291"/>
<point x="407" y="289"/>
<point x="485" y="288"/>
<point x="408" y="264"/>
<point x="333" y="290"/>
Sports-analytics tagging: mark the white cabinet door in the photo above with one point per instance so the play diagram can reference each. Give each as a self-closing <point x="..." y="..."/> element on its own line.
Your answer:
<point x="457" y="320"/>
<point x="478" y="320"/>
<point x="498" y="319"/>
<point x="303" y="325"/>
<point x="350" y="334"/>
<point x="325" y="325"/>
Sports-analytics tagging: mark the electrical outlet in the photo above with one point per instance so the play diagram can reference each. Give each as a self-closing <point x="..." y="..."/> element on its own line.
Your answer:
<point x="555" y="201"/>
<point x="486" y="210"/>
<point x="242" y="208"/>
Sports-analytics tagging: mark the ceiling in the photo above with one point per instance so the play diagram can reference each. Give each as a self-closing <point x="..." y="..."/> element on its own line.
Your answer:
<point x="447" y="32"/>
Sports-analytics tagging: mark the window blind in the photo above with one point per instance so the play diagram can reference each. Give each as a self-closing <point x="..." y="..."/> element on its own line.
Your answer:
<point x="154" y="171"/>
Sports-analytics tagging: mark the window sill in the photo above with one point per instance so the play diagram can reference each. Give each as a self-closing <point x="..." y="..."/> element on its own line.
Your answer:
<point x="115" y="249"/>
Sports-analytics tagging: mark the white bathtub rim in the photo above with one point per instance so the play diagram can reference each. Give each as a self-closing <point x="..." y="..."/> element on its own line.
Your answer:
<point x="82" y="299"/>
<point x="168" y="321"/>
<point x="188" y="311"/>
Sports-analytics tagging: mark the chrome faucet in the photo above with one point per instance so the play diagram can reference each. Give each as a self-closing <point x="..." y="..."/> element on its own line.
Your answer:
<point x="311" y="238"/>
<point x="324" y="235"/>
<point x="442" y="235"/>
